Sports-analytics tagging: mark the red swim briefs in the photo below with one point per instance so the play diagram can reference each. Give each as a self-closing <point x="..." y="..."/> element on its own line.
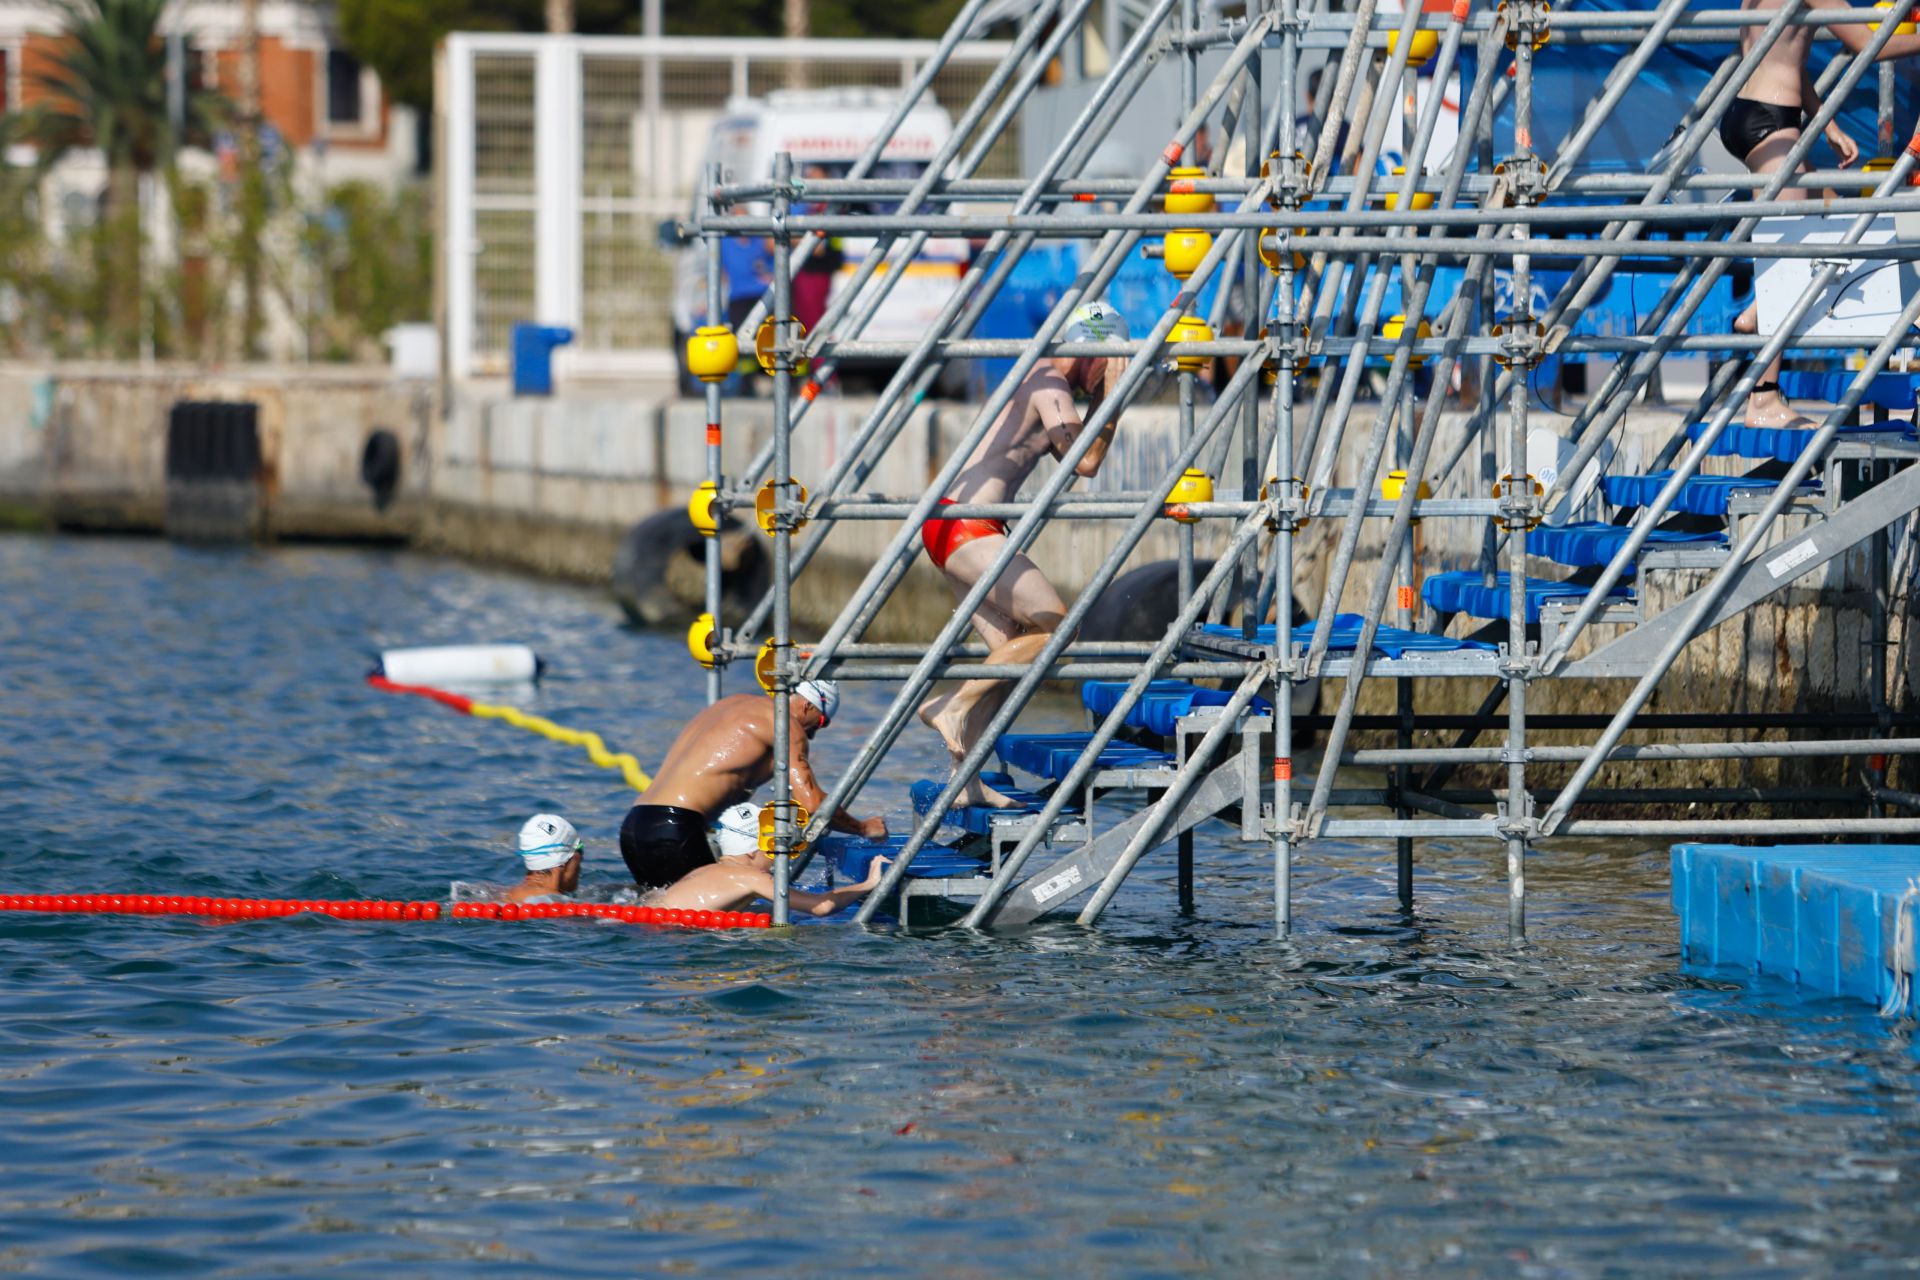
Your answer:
<point x="943" y="537"/>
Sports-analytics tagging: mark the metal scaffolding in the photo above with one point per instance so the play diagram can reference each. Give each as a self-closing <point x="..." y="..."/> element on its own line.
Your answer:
<point x="1316" y="252"/>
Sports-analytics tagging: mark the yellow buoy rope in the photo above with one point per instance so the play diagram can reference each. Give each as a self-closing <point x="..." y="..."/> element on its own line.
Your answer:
<point x="629" y="768"/>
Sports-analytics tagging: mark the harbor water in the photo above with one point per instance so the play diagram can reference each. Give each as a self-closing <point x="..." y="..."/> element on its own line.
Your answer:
<point x="1166" y="1095"/>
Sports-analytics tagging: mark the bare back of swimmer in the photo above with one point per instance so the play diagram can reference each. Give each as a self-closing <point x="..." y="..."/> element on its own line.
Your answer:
<point x="719" y="759"/>
<point x="1023" y="609"/>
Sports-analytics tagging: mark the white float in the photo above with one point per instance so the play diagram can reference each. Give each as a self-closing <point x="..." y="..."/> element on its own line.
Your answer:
<point x="1863" y="302"/>
<point x="460" y="664"/>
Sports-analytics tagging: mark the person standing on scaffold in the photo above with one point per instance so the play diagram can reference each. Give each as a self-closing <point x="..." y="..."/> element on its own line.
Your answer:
<point x="1761" y="126"/>
<point x="1023" y="609"/>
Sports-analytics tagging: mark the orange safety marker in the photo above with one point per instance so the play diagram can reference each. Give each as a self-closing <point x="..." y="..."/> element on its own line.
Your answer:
<point x="151" y="904"/>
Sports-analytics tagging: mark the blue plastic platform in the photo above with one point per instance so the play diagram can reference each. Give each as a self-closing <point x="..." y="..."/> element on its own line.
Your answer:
<point x="1783" y="444"/>
<point x="1822" y="916"/>
<point x="1051" y="755"/>
<point x="1594" y="542"/>
<point x="1463" y="592"/>
<point x="1700" y="496"/>
<point x="977" y="820"/>
<point x="1888" y="390"/>
<point x="1164" y="702"/>
<point x="1344" y="635"/>
<point x="850" y="856"/>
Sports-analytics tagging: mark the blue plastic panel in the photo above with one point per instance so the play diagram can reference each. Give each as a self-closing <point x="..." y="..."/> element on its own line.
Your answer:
<point x="1700" y="496"/>
<point x="1820" y="916"/>
<point x="850" y="856"/>
<point x="1888" y="390"/>
<point x="1594" y="542"/>
<point x="1162" y="705"/>
<point x="1051" y="755"/>
<point x="976" y="819"/>
<point x="1783" y="444"/>
<point x="1465" y="592"/>
<point x="1344" y="634"/>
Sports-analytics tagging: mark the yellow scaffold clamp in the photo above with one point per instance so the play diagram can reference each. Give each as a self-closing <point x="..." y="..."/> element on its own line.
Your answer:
<point x="1266" y="491"/>
<point x="1421" y="199"/>
<point x="1270" y="366"/>
<point x="1392" y="330"/>
<point x="763" y="345"/>
<point x="1184" y="250"/>
<point x="700" y="640"/>
<point x="1879" y="164"/>
<point x="1906" y="28"/>
<point x="700" y="509"/>
<point x="765" y="499"/>
<point x="1531" y="485"/>
<point x="1190" y="329"/>
<point x="768" y="821"/>
<point x="1542" y="34"/>
<point x="1394" y="483"/>
<point x="1271" y="165"/>
<point x="1193" y="486"/>
<point x="1181" y="197"/>
<point x="765" y="664"/>
<point x="1270" y="257"/>
<point x="1420" y="49"/>
<point x="712" y="353"/>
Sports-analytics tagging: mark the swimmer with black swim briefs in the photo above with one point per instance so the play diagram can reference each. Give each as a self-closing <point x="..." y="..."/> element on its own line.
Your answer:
<point x="723" y="754"/>
<point x="743" y="873"/>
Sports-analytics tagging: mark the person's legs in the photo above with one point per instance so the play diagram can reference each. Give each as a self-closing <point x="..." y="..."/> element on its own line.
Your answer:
<point x="1016" y="619"/>
<point x="1768" y="408"/>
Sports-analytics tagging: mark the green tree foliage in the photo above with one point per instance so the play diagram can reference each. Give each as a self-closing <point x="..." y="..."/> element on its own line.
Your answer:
<point x="106" y="86"/>
<point x="397" y="37"/>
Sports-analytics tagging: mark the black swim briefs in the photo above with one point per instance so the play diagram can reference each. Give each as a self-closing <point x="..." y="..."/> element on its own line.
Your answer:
<point x="662" y="843"/>
<point x="1747" y="124"/>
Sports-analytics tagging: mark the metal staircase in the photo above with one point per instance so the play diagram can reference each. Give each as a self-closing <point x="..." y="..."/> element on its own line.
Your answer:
<point x="1314" y="249"/>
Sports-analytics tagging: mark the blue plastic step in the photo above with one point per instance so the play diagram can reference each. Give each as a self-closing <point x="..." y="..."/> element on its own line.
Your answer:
<point x="1162" y="705"/>
<point x="1594" y="542"/>
<point x="850" y="856"/>
<point x="1782" y="444"/>
<point x="1344" y="635"/>
<point x="1888" y="390"/>
<point x="977" y="819"/>
<point x="1700" y="496"/>
<point x="1051" y="755"/>
<point x="1822" y="916"/>
<point x="1464" y="592"/>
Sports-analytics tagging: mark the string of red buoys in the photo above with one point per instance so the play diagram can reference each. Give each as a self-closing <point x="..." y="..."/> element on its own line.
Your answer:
<point x="154" y="904"/>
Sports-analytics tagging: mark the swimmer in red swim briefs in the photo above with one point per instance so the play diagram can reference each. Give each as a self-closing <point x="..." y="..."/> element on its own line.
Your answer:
<point x="1023" y="609"/>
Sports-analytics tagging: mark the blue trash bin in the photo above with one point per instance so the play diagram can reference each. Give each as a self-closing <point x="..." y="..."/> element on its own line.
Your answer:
<point x="532" y="351"/>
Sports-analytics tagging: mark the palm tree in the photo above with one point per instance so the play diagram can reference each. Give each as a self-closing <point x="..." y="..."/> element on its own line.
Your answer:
<point x="106" y="86"/>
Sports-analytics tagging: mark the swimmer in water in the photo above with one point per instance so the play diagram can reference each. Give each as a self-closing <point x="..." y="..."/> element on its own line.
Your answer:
<point x="743" y="873"/>
<point x="552" y="851"/>
<point x="718" y="760"/>
<point x="1023" y="609"/>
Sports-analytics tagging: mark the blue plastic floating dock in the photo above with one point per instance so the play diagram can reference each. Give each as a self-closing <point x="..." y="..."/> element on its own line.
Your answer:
<point x="1700" y="495"/>
<point x="1590" y="542"/>
<point x="1822" y="916"/>
<point x="1888" y="390"/>
<point x="850" y="857"/>
<point x="1463" y="592"/>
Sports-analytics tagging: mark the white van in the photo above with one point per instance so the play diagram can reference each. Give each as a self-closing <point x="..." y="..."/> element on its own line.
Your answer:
<point x="826" y="130"/>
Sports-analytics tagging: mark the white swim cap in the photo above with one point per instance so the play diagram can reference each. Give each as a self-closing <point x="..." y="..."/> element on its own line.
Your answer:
<point x="547" y="841"/>
<point x="823" y="694"/>
<point x="1095" y="321"/>
<point x="737" y="830"/>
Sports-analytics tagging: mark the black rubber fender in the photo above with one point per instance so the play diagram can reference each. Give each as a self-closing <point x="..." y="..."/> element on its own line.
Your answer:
<point x="645" y="573"/>
<point x="380" y="461"/>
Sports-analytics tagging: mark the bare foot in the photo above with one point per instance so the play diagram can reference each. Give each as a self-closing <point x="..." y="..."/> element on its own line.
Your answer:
<point x="1771" y="409"/>
<point x="940" y="715"/>
<point x="978" y="795"/>
<point x="1748" y="321"/>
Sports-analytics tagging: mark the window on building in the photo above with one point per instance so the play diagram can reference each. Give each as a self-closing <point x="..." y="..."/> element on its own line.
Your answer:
<point x="343" y="88"/>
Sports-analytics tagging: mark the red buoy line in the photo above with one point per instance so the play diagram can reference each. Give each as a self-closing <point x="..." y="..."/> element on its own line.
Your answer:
<point x="154" y="904"/>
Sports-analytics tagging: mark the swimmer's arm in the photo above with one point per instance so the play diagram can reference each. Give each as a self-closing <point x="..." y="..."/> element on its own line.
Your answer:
<point x="1854" y="35"/>
<point x="822" y="904"/>
<point x="1064" y="429"/>
<point x="806" y="790"/>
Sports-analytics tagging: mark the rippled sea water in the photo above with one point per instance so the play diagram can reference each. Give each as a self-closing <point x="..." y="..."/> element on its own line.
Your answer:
<point x="1167" y="1095"/>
